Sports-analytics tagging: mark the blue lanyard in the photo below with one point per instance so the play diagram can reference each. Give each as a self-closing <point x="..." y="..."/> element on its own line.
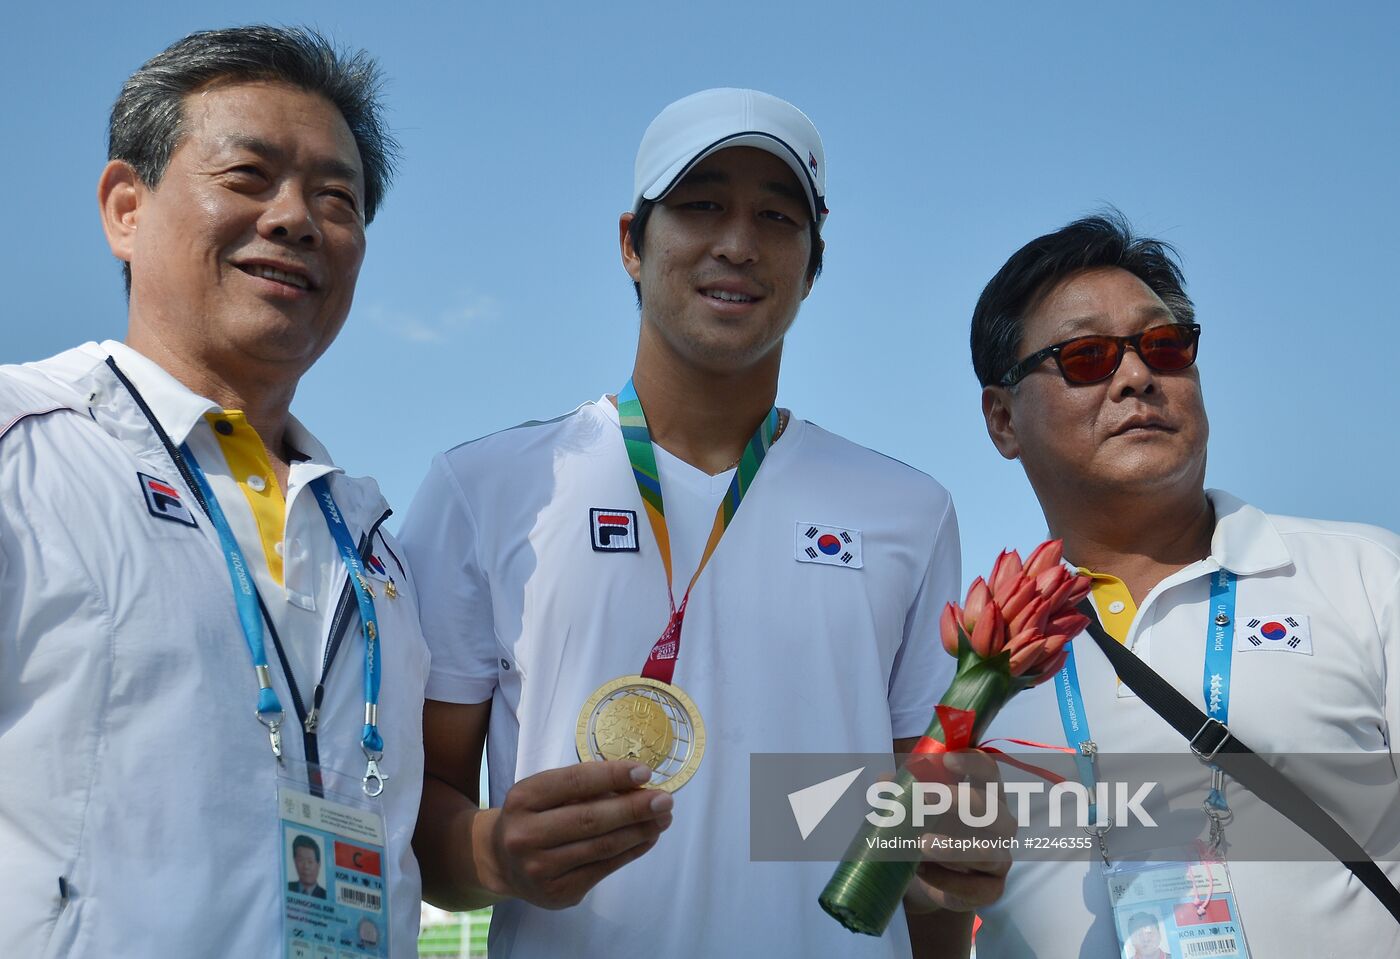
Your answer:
<point x="1220" y="641"/>
<point x="1215" y="682"/>
<point x="370" y="740"/>
<point x="1075" y="721"/>
<point x="269" y="711"/>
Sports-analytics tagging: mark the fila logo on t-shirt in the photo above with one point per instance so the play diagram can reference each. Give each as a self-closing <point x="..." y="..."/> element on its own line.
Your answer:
<point x="613" y="530"/>
<point x="1285" y="634"/>
<point x="163" y="500"/>
<point x="828" y="546"/>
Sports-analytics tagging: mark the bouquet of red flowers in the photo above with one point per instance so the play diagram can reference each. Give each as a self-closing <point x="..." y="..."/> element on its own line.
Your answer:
<point x="1008" y="635"/>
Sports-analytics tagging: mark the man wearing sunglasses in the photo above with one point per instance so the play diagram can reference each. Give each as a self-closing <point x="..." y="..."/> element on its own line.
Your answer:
<point x="1085" y="343"/>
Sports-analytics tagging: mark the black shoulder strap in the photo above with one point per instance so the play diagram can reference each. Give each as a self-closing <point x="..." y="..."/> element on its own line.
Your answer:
<point x="1212" y="741"/>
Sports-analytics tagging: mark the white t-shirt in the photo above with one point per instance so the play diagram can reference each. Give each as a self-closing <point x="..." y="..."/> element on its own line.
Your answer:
<point x="690" y="511"/>
<point x="778" y="655"/>
<point x="136" y="771"/>
<point x="1342" y="582"/>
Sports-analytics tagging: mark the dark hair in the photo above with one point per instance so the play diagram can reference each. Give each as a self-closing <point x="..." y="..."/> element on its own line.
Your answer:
<point x="1142" y="919"/>
<point x="636" y="231"/>
<point x="1105" y="240"/>
<point x="306" y="842"/>
<point x="145" y="126"/>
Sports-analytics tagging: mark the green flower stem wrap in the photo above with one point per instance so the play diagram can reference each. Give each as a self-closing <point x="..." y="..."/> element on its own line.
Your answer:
<point x="865" y="890"/>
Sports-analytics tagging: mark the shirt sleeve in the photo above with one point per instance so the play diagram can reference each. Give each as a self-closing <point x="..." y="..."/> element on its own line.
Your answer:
<point x="922" y="670"/>
<point x="1388" y="624"/>
<point x="440" y="539"/>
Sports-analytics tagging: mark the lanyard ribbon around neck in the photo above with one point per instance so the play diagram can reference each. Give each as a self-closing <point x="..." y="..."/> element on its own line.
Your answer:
<point x="1215" y="680"/>
<point x="661" y="662"/>
<point x="1215" y="686"/>
<point x="245" y="596"/>
<point x="370" y="740"/>
<point x="269" y="711"/>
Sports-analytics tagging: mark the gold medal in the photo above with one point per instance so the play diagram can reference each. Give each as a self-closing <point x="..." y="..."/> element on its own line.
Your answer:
<point x="651" y="720"/>
<point x="647" y="721"/>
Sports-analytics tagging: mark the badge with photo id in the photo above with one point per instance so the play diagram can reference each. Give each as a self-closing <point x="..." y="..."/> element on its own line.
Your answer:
<point x="335" y="902"/>
<point x="1175" y="910"/>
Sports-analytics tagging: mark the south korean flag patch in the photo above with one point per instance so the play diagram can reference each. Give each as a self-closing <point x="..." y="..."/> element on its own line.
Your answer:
<point x="828" y="546"/>
<point x="376" y="569"/>
<point x="1283" y="634"/>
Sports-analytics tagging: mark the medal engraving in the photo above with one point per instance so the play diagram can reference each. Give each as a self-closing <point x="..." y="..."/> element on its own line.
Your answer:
<point x="634" y="727"/>
<point x="645" y="721"/>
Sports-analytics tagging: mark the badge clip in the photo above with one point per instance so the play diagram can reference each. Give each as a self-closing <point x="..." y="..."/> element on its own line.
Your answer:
<point x="374" y="780"/>
<point x="274" y="735"/>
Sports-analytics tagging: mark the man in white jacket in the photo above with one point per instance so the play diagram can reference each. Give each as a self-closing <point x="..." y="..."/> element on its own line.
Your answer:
<point x="194" y="596"/>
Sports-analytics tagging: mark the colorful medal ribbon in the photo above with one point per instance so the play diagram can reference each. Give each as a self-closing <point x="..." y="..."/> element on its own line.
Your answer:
<point x="661" y="663"/>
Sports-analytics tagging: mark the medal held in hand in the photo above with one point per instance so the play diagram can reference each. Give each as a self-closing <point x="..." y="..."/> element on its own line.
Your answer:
<point x="645" y="720"/>
<point x="646" y="717"/>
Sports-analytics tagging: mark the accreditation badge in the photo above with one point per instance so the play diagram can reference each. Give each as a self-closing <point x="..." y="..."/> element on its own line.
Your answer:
<point x="335" y="902"/>
<point x="1176" y="909"/>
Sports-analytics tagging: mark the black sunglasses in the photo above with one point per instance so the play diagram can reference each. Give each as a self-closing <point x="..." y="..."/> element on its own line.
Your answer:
<point x="1168" y="348"/>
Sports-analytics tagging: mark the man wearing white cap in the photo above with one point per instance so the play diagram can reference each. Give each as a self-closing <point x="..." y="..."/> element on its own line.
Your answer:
<point x="562" y="559"/>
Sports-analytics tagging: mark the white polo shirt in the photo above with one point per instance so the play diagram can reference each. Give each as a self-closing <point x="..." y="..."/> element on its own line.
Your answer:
<point x="778" y="655"/>
<point x="137" y="777"/>
<point x="1341" y="582"/>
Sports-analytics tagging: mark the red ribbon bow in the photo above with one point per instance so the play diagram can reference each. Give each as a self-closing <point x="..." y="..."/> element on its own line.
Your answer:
<point x="957" y="734"/>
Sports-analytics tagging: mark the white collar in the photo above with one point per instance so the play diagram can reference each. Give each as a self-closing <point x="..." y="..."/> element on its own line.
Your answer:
<point x="176" y="407"/>
<point x="179" y="409"/>
<point x="1245" y="541"/>
<point x="81" y="380"/>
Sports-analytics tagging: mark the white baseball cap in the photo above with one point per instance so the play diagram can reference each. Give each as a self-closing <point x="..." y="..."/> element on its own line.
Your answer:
<point x="703" y="123"/>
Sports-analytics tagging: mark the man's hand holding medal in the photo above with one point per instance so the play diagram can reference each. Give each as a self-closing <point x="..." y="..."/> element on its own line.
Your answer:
<point x="561" y="831"/>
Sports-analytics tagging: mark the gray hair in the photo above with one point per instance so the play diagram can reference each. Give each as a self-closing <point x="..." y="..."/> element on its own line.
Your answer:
<point x="145" y="125"/>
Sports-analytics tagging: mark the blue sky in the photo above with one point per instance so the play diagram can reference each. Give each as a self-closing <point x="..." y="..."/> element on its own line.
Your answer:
<point x="1259" y="138"/>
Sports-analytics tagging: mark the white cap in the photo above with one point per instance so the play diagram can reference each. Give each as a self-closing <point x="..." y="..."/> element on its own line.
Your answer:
<point x="703" y="123"/>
